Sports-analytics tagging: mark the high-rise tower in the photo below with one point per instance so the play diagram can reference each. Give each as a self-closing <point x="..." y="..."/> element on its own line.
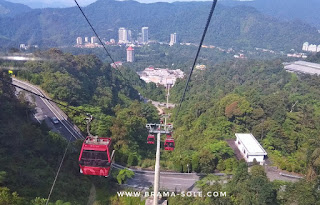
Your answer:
<point x="130" y="54"/>
<point x="123" y="35"/>
<point x="173" y="39"/>
<point x="145" y="34"/>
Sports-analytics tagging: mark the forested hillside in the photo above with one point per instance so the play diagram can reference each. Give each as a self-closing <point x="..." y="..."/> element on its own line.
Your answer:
<point x="240" y="27"/>
<point x="31" y="153"/>
<point x="90" y="86"/>
<point x="281" y="109"/>
<point x="251" y="188"/>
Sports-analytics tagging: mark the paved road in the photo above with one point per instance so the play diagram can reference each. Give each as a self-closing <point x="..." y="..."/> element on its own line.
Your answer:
<point x="170" y="181"/>
<point x="46" y="109"/>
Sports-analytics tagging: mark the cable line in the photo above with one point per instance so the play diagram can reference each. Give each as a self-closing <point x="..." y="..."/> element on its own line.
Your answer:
<point x="214" y="3"/>
<point x="104" y="47"/>
<point x="57" y="174"/>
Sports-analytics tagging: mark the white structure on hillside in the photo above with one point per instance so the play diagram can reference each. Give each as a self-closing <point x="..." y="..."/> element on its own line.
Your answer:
<point x="79" y="41"/>
<point x="123" y="35"/>
<point x="303" y="67"/>
<point x="250" y="148"/>
<point x="173" y="39"/>
<point x="130" y="54"/>
<point x="310" y="47"/>
<point x="160" y="76"/>
<point x="94" y="40"/>
<point x="145" y="34"/>
<point x="305" y="46"/>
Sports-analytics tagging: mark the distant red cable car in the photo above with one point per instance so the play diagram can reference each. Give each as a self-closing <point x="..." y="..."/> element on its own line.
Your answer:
<point x="169" y="144"/>
<point x="95" y="157"/>
<point x="150" y="139"/>
<point x="168" y="135"/>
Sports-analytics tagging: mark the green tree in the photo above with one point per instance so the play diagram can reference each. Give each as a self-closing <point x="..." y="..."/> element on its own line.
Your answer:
<point x="123" y="175"/>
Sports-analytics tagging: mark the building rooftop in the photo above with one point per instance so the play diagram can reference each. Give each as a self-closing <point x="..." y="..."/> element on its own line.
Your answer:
<point x="130" y="48"/>
<point x="160" y="76"/>
<point x="303" y="67"/>
<point x="250" y="143"/>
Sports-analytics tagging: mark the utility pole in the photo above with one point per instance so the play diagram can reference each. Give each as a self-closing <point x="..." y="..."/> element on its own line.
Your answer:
<point x="168" y="94"/>
<point x="157" y="129"/>
<point x="167" y="106"/>
<point x="157" y="172"/>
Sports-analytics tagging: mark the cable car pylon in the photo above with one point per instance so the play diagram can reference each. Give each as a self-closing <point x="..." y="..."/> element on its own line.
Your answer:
<point x="158" y="129"/>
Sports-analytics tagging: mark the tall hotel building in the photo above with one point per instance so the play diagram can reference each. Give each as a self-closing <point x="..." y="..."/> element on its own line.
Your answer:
<point x="130" y="54"/>
<point x="173" y="39"/>
<point x="145" y="34"/>
<point x="123" y="35"/>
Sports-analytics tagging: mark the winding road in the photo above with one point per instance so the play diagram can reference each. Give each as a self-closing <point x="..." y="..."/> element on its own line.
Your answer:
<point x="46" y="109"/>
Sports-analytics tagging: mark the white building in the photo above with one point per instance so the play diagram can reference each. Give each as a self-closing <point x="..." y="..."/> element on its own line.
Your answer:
<point x="145" y="34"/>
<point x="130" y="54"/>
<point x="94" y="40"/>
<point x="303" y="67"/>
<point x="79" y="41"/>
<point x="318" y="48"/>
<point x="160" y="76"/>
<point x="123" y="35"/>
<point x="305" y="46"/>
<point x="23" y="47"/>
<point x="173" y="39"/>
<point x="312" y="48"/>
<point x="250" y="148"/>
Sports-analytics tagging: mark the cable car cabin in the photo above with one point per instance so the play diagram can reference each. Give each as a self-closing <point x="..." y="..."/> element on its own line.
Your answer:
<point x="168" y="136"/>
<point x="169" y="144"/>
<point x="95" y="157"/>
<point x="150" y="139"/>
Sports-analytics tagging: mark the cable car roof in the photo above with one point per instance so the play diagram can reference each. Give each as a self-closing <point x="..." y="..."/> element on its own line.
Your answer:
<point x="95" y="143"/>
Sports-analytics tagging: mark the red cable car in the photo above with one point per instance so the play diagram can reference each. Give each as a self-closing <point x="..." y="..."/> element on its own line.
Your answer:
<point x="168" y="136"/>
<point x="95" y="157"/>
<point x="150" y="139"/>
<point x="169" y="144"/>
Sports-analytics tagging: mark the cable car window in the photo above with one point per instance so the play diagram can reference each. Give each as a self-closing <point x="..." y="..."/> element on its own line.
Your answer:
<point x="94" y="158"/>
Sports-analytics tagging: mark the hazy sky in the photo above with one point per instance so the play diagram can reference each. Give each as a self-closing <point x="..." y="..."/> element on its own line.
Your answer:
<point x="66" y="3"/>
<point x="60" y="3"/>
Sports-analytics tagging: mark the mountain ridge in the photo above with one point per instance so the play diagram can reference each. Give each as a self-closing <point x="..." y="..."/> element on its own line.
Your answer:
<point x="239" y="26"/>
<point x="9" y="9"/>
<point x="307" y="10"/>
